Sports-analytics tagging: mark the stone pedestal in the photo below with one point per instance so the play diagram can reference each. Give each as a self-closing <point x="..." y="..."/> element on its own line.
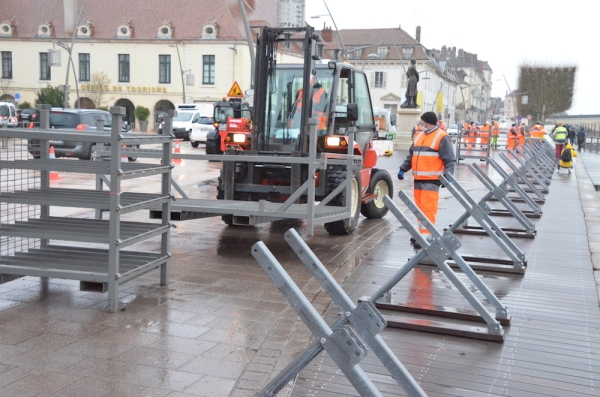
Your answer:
<point x="406" y="120"/>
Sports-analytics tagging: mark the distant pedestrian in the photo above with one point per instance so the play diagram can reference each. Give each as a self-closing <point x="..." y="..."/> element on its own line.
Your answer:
<point x="572" y="133"/>
<point x="560" y="138"/>
<point x="581" y="139"/>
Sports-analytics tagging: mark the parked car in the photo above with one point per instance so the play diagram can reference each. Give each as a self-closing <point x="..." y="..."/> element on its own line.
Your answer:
<point x="8" y="115"/>
<point x="184" y="123"/>
<point x="79" y="120"/>
<point x="29" y="115"/>
<point x="452" y="130"/>
<point x="205" y="125"/>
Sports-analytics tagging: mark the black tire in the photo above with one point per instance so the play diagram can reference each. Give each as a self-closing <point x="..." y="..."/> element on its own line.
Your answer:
<point x="380" y="185"/>
<point x="213" y="146"/>
<point x="195" y="144"/>
<point x="335" y="176"/>
<point x="227" y="219"/>
<point x="186" y="135"/>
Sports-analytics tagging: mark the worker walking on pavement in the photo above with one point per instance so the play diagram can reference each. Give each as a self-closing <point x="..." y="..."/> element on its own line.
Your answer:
<point x="536" y="132"/>
<point x="521" y="135"/>
<point x="511" y="137"/>
<point x="430" y="155"/>
<point x="495" y="135"/>
<point x="484" y="134"/>
<point x="560" y="135"/>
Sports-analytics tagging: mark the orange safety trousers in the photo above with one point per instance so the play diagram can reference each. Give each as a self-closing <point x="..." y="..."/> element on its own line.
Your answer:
<point x="426" y="196"/>
<point x="511" y="142"/>
<point x="521" y="140"/>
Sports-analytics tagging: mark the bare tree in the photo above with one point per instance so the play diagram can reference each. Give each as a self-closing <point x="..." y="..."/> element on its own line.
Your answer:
<point x="99" y="84"/>
<point x="5" y="86"/>
<point x="550" y="89"/>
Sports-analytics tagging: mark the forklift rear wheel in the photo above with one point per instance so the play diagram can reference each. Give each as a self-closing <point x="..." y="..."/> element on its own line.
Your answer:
<point x="195" y="143"/>
<point x="335" y="176"/>
<point x="380" y="186"/>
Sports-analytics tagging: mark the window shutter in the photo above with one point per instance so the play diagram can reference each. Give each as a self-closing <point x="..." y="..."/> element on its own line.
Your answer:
<point x="384" y="79"/>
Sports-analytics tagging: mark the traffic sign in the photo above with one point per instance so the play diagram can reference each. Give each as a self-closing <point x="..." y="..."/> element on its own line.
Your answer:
<point x="529" y="117"/>
<point x="235" y="91"/>
<point x="17" y="96"/>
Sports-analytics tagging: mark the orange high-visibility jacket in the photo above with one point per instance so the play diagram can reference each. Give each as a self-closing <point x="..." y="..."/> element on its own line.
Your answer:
<point x="426" y="162"/>
<point x="495" y="129"/>
<point x="441" y="124"/>
<point x="512" y="133"/>
<point x="319" y="105"/>
<point x="536" y="132"/>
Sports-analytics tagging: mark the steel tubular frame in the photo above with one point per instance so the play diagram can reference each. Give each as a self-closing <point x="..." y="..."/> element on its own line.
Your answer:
<point x="439" y="250"/>
<point x="480" y="212"/>
<point x="340" y="340"/>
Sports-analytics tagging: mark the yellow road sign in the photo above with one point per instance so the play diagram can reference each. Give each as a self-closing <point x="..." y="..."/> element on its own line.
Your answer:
<point x="235" y="91"/>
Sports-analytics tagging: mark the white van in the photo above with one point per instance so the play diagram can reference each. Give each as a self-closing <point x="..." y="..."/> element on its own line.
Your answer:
<point x="191" y="118"/>
<point x="8" y="115"/>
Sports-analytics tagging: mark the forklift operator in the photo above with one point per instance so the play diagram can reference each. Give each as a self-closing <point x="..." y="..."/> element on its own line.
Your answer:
<point x="319" y="106"/>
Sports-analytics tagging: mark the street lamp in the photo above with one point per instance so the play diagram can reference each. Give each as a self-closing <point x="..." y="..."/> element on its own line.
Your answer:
<point x="345" y="53"/>
<point x="183" y="72"/>
<point x="72" y="64"/>
<point x="524" y="100"/>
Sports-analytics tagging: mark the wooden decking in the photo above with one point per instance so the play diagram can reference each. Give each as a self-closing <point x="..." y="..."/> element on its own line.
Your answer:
<point x="551" y="347"/>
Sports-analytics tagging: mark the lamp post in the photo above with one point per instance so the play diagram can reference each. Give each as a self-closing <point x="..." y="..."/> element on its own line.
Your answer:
<point x="181" y="70"/>
<point x="513" y="95"/>
<point x="70" y="63"/>
<point x="344" y="52"/>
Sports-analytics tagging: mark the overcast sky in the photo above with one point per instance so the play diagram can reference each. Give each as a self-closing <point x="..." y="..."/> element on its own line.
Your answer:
<point x="503" y="33"/>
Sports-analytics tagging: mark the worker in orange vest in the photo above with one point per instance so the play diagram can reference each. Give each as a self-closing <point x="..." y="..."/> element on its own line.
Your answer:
<point x="495" y="135"/>
<point x="430" y="155"/>
<point x="536" y="132"/>
<point x="484" y="134"/>
<point x="319" y="106"/>
<point x="472" y="135"/>
<point x="465" y="134"/>
<point x="415" y="131"/>
<point x="511" y="138"/>
<point x="521" y="135"/>
<point x="442" y="125"/>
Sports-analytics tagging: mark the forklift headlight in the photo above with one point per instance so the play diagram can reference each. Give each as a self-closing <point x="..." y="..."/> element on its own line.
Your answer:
<point x="332" y="141"/>
<point x="239" y="138"/>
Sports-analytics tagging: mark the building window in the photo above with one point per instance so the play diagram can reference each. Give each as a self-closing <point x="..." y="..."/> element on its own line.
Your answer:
<point x="84" y="67"/>
<point x="379" y="80"/>
<point x="356" y="54"/>
<point x="124" y="68"/>
<point x="7" y="65"/>
<point x="382" y="52"/>
<point x="407" y="52"/>
<point x="208" y="69"/>
<point x="45" y="70"/>
<point x="164" y="69"/>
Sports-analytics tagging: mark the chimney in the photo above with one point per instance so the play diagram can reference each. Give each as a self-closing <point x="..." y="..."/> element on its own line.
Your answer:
<point x="418" y="36"/>
<point x="327" y="35"/>
<point x="70" y="14"/>
<point x="444" y="54"/>
<point x="461" y="54"/>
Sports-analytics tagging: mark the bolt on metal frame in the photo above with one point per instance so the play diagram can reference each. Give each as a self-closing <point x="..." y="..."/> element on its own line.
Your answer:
<point x="341" y="340"/>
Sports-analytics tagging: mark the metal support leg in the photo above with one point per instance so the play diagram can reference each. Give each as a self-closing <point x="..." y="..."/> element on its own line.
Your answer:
<point x="479" y="212"/>
<point x="341" y="343"/>
<point x="439" y="250"/>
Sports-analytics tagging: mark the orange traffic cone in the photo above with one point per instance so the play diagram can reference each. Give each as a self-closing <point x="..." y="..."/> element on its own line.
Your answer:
<point x="31" y="125"/>
<point x="53" y="174"/>
<point x="176" y="150"/>
<point x="124" y="159"/>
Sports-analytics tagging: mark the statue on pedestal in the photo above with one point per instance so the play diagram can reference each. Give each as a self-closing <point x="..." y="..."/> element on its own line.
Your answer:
<point x="411" y="90"/>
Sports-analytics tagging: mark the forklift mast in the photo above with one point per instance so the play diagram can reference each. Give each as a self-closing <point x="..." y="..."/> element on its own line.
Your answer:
<point x="265" y="86"/>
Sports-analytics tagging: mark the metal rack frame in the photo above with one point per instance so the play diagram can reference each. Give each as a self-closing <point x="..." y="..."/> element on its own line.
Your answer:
<point x="98" y="269"/>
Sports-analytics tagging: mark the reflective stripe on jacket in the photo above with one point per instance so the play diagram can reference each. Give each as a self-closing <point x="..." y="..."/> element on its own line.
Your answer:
<point x="426" y="162"/>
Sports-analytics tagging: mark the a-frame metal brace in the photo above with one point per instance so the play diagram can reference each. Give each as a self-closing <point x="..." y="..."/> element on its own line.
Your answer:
<point x="341" y="339"/>
<point x="439" y="250"/>
<point x="480" y="212"/>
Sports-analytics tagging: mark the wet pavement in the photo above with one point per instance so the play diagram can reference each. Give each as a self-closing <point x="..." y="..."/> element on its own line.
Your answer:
<point x="220" y="328"/>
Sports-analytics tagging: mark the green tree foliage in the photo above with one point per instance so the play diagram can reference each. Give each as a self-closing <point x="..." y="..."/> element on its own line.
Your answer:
<point x="552" y="86"/>
<point x="49" y="96"/>
<point x="24" y="105"/>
